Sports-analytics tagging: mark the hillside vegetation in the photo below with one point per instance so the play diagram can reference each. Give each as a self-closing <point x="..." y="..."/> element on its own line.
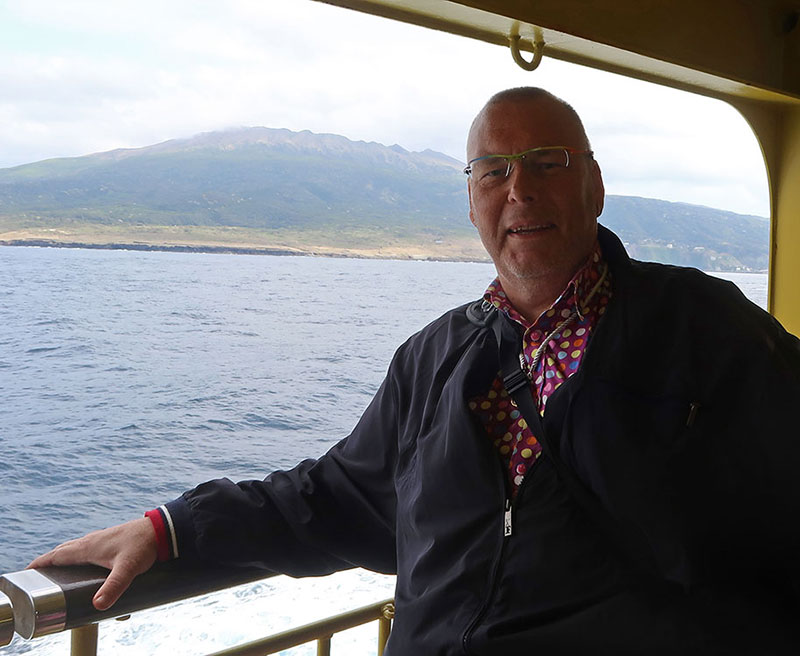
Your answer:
<point x="283" y="191"/>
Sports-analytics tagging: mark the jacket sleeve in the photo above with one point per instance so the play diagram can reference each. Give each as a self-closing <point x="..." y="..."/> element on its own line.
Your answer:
<point x="323" y="515"/>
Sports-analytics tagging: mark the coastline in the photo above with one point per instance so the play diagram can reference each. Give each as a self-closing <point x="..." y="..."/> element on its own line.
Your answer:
<point x="382" y="253"/>
<point x="346" y="243"/>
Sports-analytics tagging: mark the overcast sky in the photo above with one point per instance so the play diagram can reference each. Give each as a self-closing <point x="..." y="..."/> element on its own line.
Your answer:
<point x="84" y="76"/>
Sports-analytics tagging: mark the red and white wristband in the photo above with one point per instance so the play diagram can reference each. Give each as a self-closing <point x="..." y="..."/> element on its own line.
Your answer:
<point x="167" y="547"/>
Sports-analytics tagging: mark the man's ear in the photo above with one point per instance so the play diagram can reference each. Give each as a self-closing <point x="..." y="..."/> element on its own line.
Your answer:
<point x="599" y="190"/>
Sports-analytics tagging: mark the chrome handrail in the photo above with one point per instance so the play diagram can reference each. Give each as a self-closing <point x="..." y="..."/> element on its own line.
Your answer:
<point x="6" y="620"/>
<point x="38" y="602"/>
<point x="52" y="599"/>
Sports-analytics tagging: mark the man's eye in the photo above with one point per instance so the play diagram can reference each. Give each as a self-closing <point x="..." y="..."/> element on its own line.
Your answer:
<point x="494" y="173"/>
<point x="547" y="161"/>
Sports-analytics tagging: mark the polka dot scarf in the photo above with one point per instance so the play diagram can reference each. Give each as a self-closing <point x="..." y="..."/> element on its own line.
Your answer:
<point x="552" y="350"/>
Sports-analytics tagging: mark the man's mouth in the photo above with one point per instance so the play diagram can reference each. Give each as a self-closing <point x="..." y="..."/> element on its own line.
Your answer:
<point x="523" y="230"/>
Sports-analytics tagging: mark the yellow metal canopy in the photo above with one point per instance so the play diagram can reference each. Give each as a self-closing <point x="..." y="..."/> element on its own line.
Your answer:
<point x="745" y="52"/>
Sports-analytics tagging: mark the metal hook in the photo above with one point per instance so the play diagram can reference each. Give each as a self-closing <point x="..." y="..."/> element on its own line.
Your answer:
<point x="538" y="52"/>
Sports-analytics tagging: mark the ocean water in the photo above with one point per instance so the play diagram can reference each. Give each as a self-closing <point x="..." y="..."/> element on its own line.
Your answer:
<point x="127" y="377"/>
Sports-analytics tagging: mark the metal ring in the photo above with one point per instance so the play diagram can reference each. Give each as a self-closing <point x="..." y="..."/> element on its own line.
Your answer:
<point x="538" y="52"/>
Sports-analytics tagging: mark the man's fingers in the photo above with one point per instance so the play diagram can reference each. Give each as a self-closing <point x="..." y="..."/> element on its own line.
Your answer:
<point x="125" y="569"/>
<point x="127" y="550"/>
<point x="74" y="552"/>
<point x="40" y="561"/>
<point x="115" y="584"/>
<point x="63" y="554"/>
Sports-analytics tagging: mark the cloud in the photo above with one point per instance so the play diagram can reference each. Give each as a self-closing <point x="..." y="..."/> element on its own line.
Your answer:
<point x="85" y="76"/>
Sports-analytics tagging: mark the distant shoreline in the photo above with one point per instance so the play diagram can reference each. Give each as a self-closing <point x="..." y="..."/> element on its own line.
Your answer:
<point x="232" y="250"/>
<point x="174" y="248"/>
<point x="258" y="250"/>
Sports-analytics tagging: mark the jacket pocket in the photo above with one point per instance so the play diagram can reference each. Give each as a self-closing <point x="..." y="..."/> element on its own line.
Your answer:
<point x="641" y="452"/>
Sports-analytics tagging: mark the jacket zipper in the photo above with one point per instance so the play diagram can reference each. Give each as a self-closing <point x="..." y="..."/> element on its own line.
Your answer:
<point x="493" y="580"/>
<point x="508" y="510"/>
<point x="507" y="527"/>
<point x="508" y="513"/>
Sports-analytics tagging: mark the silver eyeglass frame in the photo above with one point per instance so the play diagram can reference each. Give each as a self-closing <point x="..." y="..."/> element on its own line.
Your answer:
<point x="510" y="159"/>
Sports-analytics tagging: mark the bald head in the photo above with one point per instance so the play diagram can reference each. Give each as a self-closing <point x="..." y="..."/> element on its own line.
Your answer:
<point x="539" y="225"/>
<point x="520" y="96"/>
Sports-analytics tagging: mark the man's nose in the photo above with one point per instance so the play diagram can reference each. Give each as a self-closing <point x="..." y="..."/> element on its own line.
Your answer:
<point x="522" y="183"/>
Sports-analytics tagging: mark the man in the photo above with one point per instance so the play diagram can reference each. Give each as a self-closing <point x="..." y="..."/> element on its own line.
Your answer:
<point x="660" y="517"/>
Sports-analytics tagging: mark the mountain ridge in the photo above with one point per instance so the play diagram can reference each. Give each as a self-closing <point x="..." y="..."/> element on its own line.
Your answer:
<point x="327" y="191"/>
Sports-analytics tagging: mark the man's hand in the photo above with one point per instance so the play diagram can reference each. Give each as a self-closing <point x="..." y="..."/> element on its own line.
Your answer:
<point x="127" y="550"/>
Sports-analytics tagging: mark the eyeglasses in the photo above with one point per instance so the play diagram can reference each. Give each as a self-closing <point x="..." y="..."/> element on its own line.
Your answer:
<point x="546" y="161"/>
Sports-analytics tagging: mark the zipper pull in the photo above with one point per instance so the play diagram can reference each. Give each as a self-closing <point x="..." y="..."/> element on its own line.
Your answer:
<point x="507" y="519"/>
<point x="694" y="406"/>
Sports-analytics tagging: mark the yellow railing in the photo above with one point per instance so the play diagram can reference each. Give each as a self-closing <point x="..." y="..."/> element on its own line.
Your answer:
<point x="84" y="639"/>
<point x="321" y="631"/>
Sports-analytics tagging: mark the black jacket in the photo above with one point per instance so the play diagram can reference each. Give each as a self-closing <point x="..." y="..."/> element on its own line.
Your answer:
<point x="681" y="420"/>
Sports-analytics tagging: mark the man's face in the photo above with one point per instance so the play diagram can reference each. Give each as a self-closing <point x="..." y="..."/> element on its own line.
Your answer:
<point x="535" y="226"/>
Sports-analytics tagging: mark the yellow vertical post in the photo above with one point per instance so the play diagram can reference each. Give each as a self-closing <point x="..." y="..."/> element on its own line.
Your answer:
<point x="785" y="263"/>
<point x="385" y="626"/>
<point x="83" y="640"/>
<point x="777" y="128"/>
<point x="324" y="646"/>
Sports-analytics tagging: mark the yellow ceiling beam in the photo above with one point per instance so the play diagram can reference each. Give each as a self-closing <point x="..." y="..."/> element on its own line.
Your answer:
<point x="720" y="48"/>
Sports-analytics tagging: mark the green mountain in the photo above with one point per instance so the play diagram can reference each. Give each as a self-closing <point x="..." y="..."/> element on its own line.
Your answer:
<point x="690" y="235"/>
<point x="323" y="187"/>
<point x="251" y="177"/>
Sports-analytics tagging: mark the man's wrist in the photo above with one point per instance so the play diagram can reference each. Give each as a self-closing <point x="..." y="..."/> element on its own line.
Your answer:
<point x="161" y="528"/>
